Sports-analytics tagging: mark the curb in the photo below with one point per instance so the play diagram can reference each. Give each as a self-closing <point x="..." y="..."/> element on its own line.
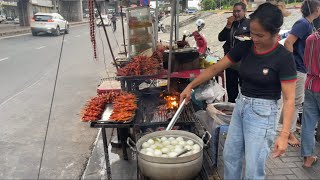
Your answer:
<point x="24" y="31"/>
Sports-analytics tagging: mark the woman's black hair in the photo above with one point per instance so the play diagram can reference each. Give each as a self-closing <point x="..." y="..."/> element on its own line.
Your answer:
<point x="269" y="16"/>
<point x="243" y="5"/>
<point x="309" y="6"/>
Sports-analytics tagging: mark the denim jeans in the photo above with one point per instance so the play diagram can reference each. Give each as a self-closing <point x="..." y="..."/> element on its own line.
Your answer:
<point x="310" y="118"/>
<point x="250" y="135"/>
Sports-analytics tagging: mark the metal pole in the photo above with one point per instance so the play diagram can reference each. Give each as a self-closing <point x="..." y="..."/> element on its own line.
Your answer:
<point x="157" y="22"/>
<point x="177" y="20"/>
<point x="123" y="35"/>
<point x="173" y="8"/>
<point x="105" y="32"/>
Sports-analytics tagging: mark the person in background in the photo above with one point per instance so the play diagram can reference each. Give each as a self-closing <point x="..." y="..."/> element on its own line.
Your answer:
<point x="295" y="43"/>
<point x="114" y="21"/>
<point x="316" y="23"/>
<point x="237" y="25"/>
<point x="311" y="107"/>
<point x="266" y="69"/>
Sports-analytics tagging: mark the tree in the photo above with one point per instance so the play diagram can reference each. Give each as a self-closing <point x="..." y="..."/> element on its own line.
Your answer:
<point x="208" y="4"/>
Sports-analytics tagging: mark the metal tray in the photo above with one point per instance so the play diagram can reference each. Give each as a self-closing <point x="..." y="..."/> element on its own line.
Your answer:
<point x="107" y="113"/>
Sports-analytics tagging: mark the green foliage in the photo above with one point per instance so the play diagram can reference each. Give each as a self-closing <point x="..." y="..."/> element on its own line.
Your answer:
<point x="208" y="4"/>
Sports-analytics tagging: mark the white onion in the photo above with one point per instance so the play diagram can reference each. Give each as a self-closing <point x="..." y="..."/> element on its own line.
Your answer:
<point x="196" y="147"/>
<point x="171" y="138"/>
<point x="182" y="143"/>
<point x="158" y="145"/>
<point x="190" y="142"/>
<point x="166" y="142"/>
<point x="179" y="139"/>
<point x="150" y="141"/>
<point x="165" y="155"/>
<point x="195" y="151"/>
<point x="174" y="142"/>
<point x="178" y="150"/>
<point x="179" y="146"/>
<point x="145" y="145"/>
<point x="153" y="146"/>
<point x="170" y="147"/>
<point x="165" y="150"/>
<point x="157" y="153"/>
<point x="164" y="138"/>
<point x="172" y="154"/>
<point x="150" y="150"/>
<point x="143" y="151"/>
<point x="188" y="147"/>
<point x="149" y="153"/>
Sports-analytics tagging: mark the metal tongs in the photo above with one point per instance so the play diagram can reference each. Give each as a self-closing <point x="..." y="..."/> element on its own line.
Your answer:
<point x="176" y="115"/>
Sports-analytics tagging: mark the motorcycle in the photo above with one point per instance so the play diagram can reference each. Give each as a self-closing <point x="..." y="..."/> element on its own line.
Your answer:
<point x="207" y="57"/>
<point x="161" y="27"/>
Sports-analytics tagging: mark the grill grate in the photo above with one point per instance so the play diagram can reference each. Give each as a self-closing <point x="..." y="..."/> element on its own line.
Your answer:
<point x="152" y="109"/>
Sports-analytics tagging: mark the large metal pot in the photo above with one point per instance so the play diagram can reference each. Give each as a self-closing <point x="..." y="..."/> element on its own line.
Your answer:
<point x="186" y="167"/>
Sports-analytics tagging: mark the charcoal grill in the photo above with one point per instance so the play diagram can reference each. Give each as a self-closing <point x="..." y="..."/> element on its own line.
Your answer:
<point x="152" y="118"/>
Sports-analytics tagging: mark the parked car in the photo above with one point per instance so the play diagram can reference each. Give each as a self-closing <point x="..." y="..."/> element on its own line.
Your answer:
<point x="16" y="21"/>
<point x="2" y="18"/>
<point x="106" y="20"/>
<point x="191" y="11"/>
<point x="10" y="18"/>
<point x="52" y="23"/>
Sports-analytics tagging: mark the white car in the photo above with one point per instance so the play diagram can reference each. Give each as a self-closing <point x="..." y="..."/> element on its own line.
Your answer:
<point x="2" y="18"/>
<point x="106" y="20"/>
<point x="16" y="21"/>
<point x="52" y="23"/>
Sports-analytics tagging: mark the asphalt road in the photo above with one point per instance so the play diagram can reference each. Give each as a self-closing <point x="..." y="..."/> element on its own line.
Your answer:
<point x="27" y="71"/>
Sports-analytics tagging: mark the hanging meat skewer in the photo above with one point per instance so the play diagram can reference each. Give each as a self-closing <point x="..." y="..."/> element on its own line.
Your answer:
<point x="92" y="27"/>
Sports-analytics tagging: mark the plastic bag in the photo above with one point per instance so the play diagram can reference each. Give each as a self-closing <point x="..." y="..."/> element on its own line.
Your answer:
<point x="210" y="92"/>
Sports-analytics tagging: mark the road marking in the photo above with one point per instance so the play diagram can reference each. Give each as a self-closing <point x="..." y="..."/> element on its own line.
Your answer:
<point x="4" y="58"/>
<point x="77" y="36"/>
<point x="41" y="47"/>
<point x="17" y="94"/>
<point x="15" y="36"/>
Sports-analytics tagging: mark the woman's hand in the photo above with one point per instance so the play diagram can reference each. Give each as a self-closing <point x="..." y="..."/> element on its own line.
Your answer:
<point x="230" y="21"/>
<point x="186" y="94"/>
<point x="280" y="145"/>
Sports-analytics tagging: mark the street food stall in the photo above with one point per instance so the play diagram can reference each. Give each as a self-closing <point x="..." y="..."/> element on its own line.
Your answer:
<point x="142" y="100"/>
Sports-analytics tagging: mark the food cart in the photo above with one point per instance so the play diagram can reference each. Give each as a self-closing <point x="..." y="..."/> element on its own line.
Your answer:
<point x="140" y="106"/>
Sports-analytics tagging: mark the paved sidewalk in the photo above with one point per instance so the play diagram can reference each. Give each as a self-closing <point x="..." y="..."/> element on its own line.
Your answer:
<point x="288" y="166"/>
<point x="14" y="29"/>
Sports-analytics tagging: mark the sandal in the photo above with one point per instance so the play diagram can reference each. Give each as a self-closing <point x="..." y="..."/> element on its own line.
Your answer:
<point x="294" y="145"/>
<point x="315" y="159"/>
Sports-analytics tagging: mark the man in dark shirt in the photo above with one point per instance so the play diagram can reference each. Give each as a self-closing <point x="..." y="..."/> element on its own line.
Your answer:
<point x="237" y="25"/>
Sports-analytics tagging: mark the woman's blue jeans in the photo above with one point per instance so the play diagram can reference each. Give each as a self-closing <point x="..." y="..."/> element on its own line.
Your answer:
<point x="310" y="118"/>
<point x="250" y="136"/>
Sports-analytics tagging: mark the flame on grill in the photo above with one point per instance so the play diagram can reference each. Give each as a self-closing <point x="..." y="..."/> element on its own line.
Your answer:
<point x="172" y="101"/>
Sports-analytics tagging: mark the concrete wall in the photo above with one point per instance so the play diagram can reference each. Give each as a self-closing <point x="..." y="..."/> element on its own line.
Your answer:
<point x="25" y="12"/>
<point x="71" y="10"/>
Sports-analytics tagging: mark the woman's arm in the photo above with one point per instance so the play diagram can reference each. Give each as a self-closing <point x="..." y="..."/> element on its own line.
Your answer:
<point x="208" y="74"/>
<point x="288" y="43"/>
<point x="288" y="92"/>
